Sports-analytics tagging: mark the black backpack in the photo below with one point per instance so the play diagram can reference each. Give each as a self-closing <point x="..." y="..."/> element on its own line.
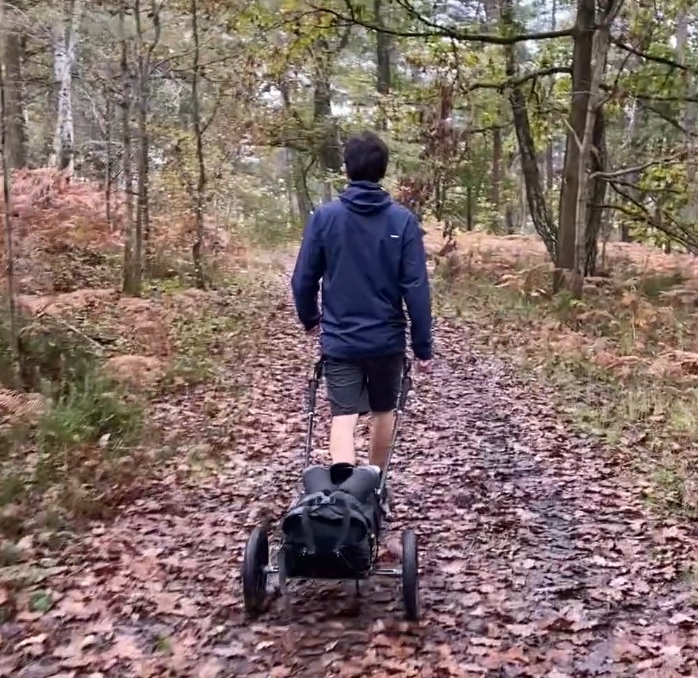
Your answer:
<point x="331" y="532"/>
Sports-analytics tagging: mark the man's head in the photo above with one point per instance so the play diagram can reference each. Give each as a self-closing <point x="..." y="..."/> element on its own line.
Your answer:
<point x="366" y="157"/>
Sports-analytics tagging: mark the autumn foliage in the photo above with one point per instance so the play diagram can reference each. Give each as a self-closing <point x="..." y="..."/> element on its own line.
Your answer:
<point x="548" y="462"/>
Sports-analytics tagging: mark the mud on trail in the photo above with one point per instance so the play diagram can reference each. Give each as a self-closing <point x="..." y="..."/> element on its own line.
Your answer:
<point x="537" y="557"/>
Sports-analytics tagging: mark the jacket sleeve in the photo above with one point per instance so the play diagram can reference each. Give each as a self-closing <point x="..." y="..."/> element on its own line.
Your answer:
<point x="414" y="282"/>
<point x="310" y="266"/>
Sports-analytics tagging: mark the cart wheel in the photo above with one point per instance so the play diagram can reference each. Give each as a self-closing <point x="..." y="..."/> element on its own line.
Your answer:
<point x="410" y="575"/>
<point x="254" y="571"/>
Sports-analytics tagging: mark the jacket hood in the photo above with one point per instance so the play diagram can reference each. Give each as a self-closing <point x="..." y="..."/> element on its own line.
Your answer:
<point x="365" y="197"/>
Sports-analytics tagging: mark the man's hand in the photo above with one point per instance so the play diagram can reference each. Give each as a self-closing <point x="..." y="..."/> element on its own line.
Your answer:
<point x="423" y="366"/>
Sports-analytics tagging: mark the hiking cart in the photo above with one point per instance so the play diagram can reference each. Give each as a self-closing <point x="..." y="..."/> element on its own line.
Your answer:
<point x="332" y="532"/>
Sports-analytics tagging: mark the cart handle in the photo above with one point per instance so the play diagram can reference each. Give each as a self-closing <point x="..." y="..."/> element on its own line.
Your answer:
<point x="405" y="385"/>
<point x="313" y="384"/>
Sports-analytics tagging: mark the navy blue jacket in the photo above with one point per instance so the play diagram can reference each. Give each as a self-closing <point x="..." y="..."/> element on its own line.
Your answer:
<point x="369" y="254"/>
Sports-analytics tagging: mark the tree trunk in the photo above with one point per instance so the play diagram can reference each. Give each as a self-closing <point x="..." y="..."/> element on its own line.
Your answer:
<point x="13" y="56"/>
<point x="509" y="225"/>
<point x="383" y="66"/>
<point x="636" y="123"/>
<point x="107" y="165"/>
<point x="597" y="194"/>
<point x="288" y="182"/>
<point x="132" y="266"/>
<point x="300" y="187"/>
<point x="581" y="85"/>
<point x="496" y="168"/>
<point x="328" y="149"/>
<point x="540" y="214"/>
<point x="199" y="196"/>
<point x="142" y="78"/>
<point x="599" y="54"/>
<point x="549" y="167"/>
<point x="9" y="249"/>
<point x="687" y="117"/>
<point x="491" y="18"/>
<point x="470" y="208"/>
<point x="550" y="150"/>
<point x="144" y="60"/>
<point x="64" y="48"/>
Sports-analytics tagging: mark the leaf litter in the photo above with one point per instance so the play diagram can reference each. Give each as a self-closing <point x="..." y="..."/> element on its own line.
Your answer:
<point x="538" y="557"/>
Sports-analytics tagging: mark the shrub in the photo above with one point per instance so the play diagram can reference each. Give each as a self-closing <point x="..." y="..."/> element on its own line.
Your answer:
<point x="89" y="412"/>
<point x="80" y="449"/>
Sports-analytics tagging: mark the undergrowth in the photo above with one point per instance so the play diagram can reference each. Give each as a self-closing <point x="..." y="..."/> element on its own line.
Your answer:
<point x="73" y="442"/>
<point x="613" y="359"/>
<point x="65" y="429"/>
<point x="231" y="323"/>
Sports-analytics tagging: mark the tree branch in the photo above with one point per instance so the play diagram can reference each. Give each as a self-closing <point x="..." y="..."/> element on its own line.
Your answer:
<point x="518" y="81"/>
<point x="438" y="30"/>
<point x="651" y="57"/>
<point x="612" y="174"/>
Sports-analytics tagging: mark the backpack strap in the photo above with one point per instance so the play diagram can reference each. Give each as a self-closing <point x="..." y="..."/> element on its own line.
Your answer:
<point x="311" y="502"/>
<point x="308" y="535"/>
<point x="346" y="522"/>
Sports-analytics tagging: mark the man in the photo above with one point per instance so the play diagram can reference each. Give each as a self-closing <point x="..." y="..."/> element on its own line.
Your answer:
<point x="369" y="254"/>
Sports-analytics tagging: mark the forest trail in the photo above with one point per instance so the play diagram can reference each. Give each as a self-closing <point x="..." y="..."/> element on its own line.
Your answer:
<point x="537" y="556"/>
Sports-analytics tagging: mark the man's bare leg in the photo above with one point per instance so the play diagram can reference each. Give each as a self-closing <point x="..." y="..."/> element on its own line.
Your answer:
<point x="342" y="432"/>
<point x="381" y="434"/>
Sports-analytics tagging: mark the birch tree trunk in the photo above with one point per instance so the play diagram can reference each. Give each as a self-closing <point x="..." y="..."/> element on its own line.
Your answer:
<point x="65" y="39"/>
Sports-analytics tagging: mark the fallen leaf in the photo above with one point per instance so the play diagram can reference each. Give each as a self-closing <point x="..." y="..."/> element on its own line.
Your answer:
<point x="211" y="668"/>
<point x="33" y="640"/>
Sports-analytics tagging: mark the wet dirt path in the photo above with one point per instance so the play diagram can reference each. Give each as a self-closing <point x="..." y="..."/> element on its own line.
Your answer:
<point x="537" y="558"/>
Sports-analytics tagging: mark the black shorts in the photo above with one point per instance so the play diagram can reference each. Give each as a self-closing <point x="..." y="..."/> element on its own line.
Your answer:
<point x="364" y="385"/>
